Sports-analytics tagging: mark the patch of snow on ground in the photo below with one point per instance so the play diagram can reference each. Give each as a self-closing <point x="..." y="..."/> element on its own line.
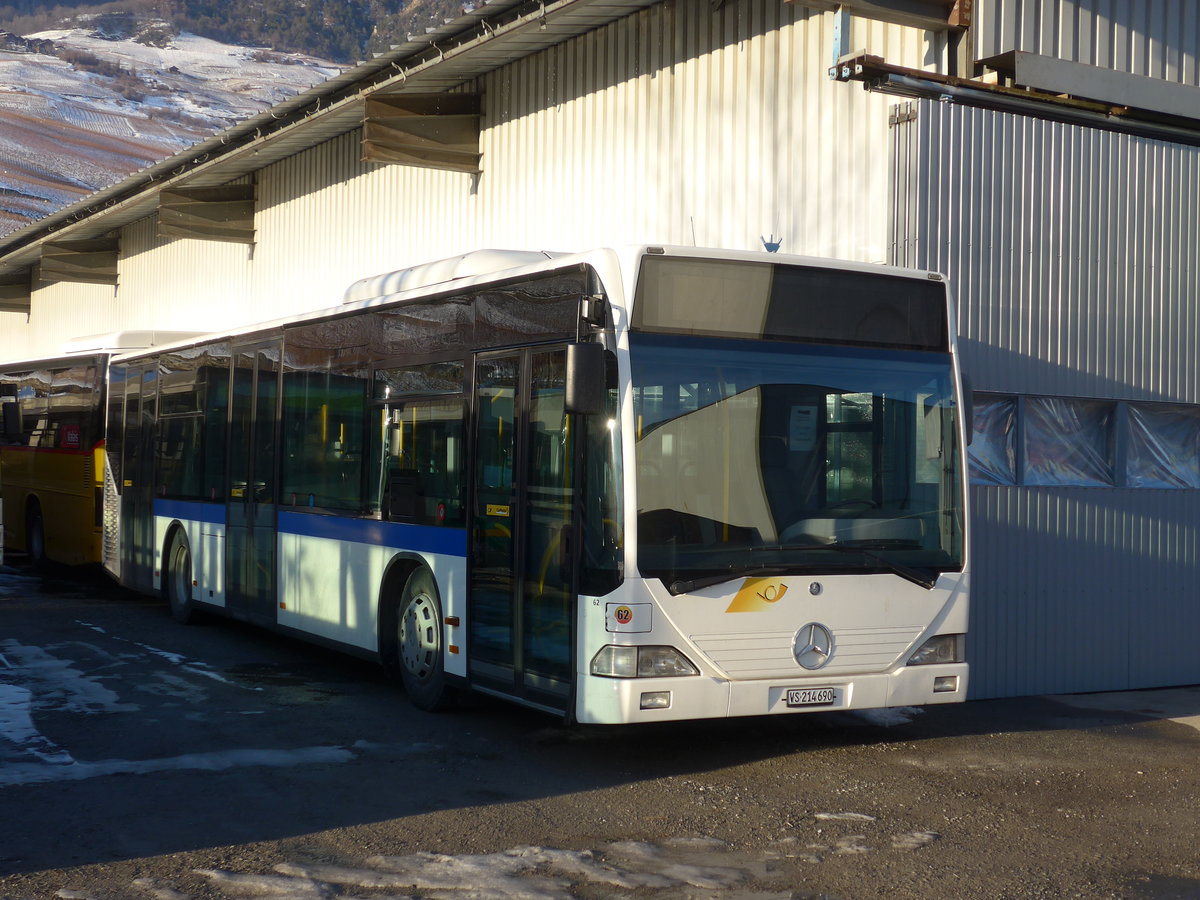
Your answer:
<point x="267" y="885"/>
<point x="545" y="873"/>
<point x="57" y="684"/>
<point x="194" y="666"/>
<point x="17" y="728"/>
<point x="914" y="841"/>
<point x="14" y="773"/>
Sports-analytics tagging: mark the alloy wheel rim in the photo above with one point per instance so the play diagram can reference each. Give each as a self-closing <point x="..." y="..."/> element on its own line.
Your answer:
<point x="419" y="636"/>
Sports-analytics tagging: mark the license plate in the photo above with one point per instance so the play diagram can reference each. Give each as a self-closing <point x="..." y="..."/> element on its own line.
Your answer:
<point x="811" y="696"/>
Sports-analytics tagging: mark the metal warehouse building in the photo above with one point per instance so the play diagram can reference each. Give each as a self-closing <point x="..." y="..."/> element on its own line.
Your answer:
<point x="1045" y="156"/>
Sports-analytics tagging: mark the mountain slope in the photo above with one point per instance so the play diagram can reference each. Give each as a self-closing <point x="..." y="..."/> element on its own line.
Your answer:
<point x="99" y="109"/>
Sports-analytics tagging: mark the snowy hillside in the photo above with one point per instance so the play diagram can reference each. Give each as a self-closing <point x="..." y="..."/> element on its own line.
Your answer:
<point x="70" y="128"/>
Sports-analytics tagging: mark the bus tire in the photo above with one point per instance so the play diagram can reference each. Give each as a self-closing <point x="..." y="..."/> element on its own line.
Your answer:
<point x="35" y="534"/>
<point x="418" y="649"/>
<point x="178" y="581"/>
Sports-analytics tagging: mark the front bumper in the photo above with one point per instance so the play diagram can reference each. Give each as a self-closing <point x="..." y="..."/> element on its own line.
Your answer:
<point x="616" y="700"/>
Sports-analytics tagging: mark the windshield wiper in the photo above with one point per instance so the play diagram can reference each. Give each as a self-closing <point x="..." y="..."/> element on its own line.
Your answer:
<point x="680" y="586"/>
<point x="926" y="578"/>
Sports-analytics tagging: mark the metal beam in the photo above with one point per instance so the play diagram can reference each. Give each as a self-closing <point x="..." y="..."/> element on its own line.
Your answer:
<point x="1119" y="89"/>
<point x="937" y="15"/>
<point x="879" y="75"/>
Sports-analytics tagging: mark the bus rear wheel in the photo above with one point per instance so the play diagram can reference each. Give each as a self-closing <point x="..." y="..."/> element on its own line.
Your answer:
<point x="418" y="651"/>
<point x="179" y="581"/>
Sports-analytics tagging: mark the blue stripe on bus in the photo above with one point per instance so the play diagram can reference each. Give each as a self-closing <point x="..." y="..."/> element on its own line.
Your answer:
<point x="191" y="511"/>
<point x="420" y="538"/>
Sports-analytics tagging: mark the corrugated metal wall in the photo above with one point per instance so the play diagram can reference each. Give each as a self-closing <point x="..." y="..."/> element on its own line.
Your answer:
<point x="1076" y="252"/>
<point x="1082" y="589"/>
<point x="64" y="311"/>
<point x="1075" y="258"/>
<point x="190" y="285"/>
<point x="680" y="124"/>
<point x="677" y="125"/>
<point x="1156" y="38"/>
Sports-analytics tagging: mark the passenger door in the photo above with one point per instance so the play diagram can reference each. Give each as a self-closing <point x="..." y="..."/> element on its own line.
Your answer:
<point x="251" y="482"/>
<point x="523" y="529"/>
<point x="137" y="476"/>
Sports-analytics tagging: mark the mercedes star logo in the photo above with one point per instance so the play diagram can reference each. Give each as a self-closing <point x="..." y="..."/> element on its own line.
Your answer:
<point x="813" y="646"/>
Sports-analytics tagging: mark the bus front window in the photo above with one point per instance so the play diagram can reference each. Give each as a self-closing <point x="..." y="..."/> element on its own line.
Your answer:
<point x="783" y="457"/>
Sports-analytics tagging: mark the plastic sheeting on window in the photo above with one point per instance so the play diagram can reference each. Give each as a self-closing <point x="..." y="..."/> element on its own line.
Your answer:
<point x="1068" y="442"/>
<point x="1164" y="446"/>
<point x="993" y="446"/>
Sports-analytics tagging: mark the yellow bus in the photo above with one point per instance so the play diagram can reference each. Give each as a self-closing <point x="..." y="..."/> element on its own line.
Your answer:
<point x="52" y="457"/>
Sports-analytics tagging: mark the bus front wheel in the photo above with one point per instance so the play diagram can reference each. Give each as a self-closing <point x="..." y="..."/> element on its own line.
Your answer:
<point x="179" y="580"/>
<point x="418" y="651"/>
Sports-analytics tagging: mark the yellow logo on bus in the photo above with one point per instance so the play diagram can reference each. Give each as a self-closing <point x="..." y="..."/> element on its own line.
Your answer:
<point x="495" y="509"/>
<point x="758" y="594"/>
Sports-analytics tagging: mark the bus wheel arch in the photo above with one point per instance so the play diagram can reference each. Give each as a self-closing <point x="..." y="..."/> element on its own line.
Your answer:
<point x="35" y="531"/>
<point x="412" y="633"/>
<point x="177" y="576"/>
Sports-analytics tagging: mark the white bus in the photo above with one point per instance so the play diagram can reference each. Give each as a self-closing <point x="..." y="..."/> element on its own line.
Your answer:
<point x="627" y="485"/>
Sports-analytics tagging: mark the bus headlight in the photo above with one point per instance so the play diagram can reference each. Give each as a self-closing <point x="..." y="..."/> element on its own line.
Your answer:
<point x="945" y="648"/>
<point x="641" y="662"/>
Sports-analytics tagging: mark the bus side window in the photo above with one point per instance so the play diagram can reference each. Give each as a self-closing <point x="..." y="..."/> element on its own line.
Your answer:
<point x="72" y="400"/>
<point x="33" y="393"/>
<point x="323" y="425"/>
<point x="11" y="419"/>
<point x="422" y="463"/>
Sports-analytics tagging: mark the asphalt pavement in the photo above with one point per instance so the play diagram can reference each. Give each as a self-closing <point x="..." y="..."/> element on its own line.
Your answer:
<point x="144" y="759"/>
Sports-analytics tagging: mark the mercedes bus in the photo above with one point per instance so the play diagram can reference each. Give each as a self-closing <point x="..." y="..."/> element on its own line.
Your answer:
<point x="626" y="485"/>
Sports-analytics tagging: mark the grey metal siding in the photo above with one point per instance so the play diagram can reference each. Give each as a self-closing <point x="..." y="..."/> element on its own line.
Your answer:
<point x="1074" y="256"/>
<point x="1075" y="253"/>
<point x="1078" y="589"/>
<point x="1156" y="38"/>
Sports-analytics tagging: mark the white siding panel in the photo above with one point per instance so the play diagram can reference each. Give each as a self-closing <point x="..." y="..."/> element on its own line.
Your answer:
<point x="181" y="284"/>
<point x="60" y="312"/>
<point x="327" y="219"/>
<point x="680" y="125"/>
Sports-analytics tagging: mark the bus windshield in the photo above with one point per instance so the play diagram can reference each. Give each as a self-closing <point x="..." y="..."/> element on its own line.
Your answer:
<point x="761" y="457"/>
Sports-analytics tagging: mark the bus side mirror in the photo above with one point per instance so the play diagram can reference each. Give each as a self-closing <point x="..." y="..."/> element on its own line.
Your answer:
<point x="586" y="390"/>
<point x="12" y="420"/>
